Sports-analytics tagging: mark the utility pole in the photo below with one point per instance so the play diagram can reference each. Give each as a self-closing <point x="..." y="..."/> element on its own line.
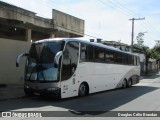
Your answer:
<point x="132" y="37"/>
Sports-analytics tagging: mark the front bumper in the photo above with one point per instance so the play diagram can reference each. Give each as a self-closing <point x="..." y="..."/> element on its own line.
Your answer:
<point x="43" y="92"/>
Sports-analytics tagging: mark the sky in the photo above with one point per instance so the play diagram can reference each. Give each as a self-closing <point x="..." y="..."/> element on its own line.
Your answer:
<point x="105" y="19"/>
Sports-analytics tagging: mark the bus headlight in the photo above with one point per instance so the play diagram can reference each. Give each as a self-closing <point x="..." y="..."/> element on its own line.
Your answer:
<point x="26" y="86"/>
<point x="53" y="89"/>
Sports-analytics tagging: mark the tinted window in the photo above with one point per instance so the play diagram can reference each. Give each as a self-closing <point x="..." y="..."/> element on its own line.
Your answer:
<point x="40" y="65"/>
<point x="132" y="60"/>
<point x="96" y="54"/>
<point x="129" y="60"/>
<point x="45" y="52"/>
<point x="118" y="58"/>
<point x="125" y="59"/>
<point x="99" y="54"/>
<point x="90" y="53"/>
<point x="70" y="59"/>
<point x="86" y="53"/>
<point x="138" y="60"/>
<point x="109" y="56"/>
<point x="83" y="55"/>
<point x="135" y="60"/>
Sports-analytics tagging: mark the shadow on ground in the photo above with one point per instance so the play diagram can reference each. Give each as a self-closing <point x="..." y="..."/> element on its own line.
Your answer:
<point x="94" y="104"/>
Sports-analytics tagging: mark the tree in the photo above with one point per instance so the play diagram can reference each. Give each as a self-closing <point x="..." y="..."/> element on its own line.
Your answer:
<point x="140" y="39"/>
<point x="144" y="50"/>
<point x="147" y="52"/>
<point x="156" y="55"/>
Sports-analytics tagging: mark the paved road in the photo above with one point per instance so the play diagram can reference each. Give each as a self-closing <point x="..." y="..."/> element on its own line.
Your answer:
<point x="144" y="96"/>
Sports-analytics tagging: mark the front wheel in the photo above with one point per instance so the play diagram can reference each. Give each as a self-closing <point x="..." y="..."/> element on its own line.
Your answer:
<point x="27" y="93"/>
<point x="82" y="90"/>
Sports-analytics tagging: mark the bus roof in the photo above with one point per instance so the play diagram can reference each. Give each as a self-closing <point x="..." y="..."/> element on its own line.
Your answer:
<point x="85" y="41"/>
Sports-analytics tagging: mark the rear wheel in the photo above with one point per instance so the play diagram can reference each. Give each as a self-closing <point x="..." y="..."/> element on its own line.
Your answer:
<point x="124" y="83"/>
<point x="129" y="83"/>
<point x="82" y="90"/>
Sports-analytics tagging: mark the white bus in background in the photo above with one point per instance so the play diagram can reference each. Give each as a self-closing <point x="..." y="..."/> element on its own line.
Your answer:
<point x="70" y="67"/>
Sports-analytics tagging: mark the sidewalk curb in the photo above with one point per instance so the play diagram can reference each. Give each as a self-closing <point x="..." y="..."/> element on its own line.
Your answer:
<point x="11" y="92"/>
<point x="18" y="97"/>
<point x="3" y="85"/>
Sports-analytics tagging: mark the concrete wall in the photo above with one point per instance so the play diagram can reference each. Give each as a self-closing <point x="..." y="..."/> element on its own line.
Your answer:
<point x="61" y="24"/>
<point x="9" y="49"/>
<point x="65" y="22"/>
<point x="25" y="16"/>
<point x="152" y="66"/>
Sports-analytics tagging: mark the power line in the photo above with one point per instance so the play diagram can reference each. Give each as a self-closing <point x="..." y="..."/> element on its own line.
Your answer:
<point x="124" y="10"/>
<point x="147" y="25"/>
<point x="113" y="6"/>
<point x="129" y="12"/>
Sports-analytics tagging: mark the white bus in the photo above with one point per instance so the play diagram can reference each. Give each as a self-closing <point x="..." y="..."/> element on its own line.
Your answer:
<point x="69" y="67"/>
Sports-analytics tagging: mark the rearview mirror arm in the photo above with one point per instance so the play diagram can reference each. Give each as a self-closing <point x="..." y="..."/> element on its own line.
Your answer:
<point x="19" y="57"/>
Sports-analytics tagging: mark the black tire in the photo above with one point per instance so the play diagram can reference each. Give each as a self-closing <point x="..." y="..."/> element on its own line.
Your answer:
<point x="82" y="90"/>
<point x="124" y="84"/>
<point x="28" y="94"/>
<point x="129" y="83"/>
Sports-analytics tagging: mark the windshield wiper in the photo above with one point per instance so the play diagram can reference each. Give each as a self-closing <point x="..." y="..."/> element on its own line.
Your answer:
<point x="40" y="71"/>
<point x="32" y="72"/>
<point x="39" y="62"/>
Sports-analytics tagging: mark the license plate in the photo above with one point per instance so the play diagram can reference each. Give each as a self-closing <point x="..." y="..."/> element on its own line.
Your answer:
<point x="36" y="93"/>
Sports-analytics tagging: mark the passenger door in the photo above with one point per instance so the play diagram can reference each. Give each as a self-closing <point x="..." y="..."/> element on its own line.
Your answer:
<point x="70" y="59"/>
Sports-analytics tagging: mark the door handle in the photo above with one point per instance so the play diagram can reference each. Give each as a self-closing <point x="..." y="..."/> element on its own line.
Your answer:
<point x="74" y="80"/>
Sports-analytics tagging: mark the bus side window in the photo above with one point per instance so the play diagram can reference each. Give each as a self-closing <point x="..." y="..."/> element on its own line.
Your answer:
<point x="90" y="55"/>
<point x="138" y="60"/>
<point x="83" y="55"/>
<point x="118" y="58"/>
<point x="99" y="55"/>
<point x="86" y="53"/>
<point x="130" y="60"/>
<point x="109" y="56"/>
<point x="135" y="60"/>
<point x="125" y="59"/>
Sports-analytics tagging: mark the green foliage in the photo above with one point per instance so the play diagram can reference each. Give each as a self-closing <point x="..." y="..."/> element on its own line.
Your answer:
<point x="146" y="51"/>
<point x="153" y="53"/>
<point x="149" y="53"/>
<point x="142" y="49"/>
<point x="157" y="48"/>
<point x="156" y="52"/>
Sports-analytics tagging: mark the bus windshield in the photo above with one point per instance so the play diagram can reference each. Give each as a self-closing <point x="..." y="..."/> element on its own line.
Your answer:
<point x="40" y="65"/>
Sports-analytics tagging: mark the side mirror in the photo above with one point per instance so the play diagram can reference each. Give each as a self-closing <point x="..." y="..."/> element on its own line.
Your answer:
<point x="57" y="57"/>
<point x="19" y="57"/>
